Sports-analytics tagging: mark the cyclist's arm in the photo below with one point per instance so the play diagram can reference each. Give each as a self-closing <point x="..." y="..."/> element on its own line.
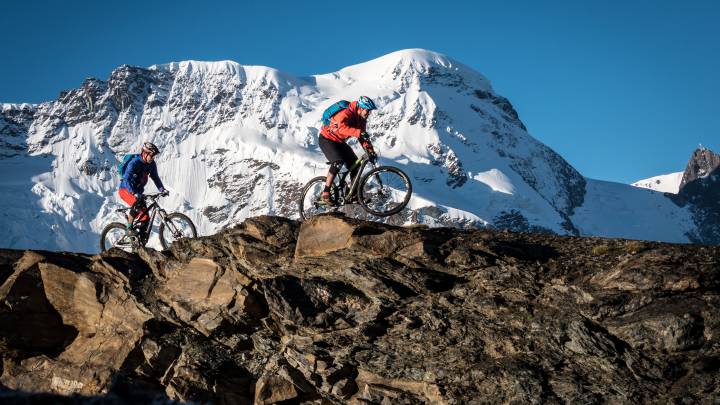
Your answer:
<point x="343" y="129"/>
<point x="346" y="131"/>
<point x="155" y="178"/>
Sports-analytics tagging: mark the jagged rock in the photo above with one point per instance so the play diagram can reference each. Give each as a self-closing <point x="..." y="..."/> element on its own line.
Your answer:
<point x="322" y="235"/>
<point x="274" y="311"/>
<point x="271" y="389"/>
<point x="700" y="187"/>
<point x="204" y="294"/>
<point x="73" y="318"/>
<point x="701" y="164"/>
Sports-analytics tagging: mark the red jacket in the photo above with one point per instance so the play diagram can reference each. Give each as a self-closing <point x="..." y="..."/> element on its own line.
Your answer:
<point x="344" y="124"/>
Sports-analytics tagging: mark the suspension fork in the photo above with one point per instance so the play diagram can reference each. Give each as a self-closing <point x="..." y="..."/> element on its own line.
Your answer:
<point x="379" y="180"/>
<point x="163" y="217"/>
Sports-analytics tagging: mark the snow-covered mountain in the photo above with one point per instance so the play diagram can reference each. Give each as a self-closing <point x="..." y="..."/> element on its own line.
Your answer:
<point x="240" y="141"/>
<point x="666" y="183"/>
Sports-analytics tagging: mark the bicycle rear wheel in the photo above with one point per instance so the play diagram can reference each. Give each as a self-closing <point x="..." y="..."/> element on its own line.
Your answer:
<point x="384" y="191"/>
<point x="115" y="235"/>
<point x="311" y="203"/>
<point x="174" y="227"/>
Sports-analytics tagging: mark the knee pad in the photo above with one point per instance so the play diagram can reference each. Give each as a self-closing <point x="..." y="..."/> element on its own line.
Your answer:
<point x="335" y="167"/>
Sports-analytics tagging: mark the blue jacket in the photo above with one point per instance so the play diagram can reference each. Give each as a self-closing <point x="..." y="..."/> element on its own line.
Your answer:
<point x="136" y="175"/>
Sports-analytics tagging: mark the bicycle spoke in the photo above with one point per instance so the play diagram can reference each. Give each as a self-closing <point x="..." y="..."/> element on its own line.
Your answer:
<point x="386" y="191"/>
<point x="115" y="236"/>
<point x="176" y="227"/>
<point x="312" y="203"/>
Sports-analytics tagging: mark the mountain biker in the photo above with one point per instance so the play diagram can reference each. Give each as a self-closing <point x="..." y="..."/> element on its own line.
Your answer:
<point x="136" y="174"/>
<point x="347" y="123"/>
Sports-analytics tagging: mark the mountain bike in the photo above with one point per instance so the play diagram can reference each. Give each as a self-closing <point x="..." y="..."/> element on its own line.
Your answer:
<point x="172" y="227"/>
<point x="382" y="191"/>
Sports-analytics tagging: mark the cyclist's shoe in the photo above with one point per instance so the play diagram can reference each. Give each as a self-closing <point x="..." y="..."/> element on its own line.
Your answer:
<point x="326" y="199"/>
<point x="132" y="236"/>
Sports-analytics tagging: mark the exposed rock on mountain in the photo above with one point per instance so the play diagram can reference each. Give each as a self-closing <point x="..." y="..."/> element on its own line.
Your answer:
<point x="703" y="163"/>
<point x="337" y="310"/>
<point x="700" y="188"/>
<point x="696" y="189"/>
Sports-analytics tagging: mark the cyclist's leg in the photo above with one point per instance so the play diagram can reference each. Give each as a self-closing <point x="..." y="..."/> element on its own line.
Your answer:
<point x="137" y="206"/>
<point x="333" y="152"/>
<point x="130" y="200"/>
<point x="140" y="210"/>
<point x="332" y="172"/>
<point x="349" y="158"/>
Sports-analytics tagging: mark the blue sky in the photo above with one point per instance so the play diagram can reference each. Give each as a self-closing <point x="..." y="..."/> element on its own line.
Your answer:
<point x="621" y="89"/>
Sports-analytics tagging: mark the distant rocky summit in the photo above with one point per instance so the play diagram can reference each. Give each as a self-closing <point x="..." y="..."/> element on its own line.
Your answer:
<point x="696" y="189"/>
<point x="703" y="163"/>
<point x="337" y="310"/>
<point x="700" y="191"/>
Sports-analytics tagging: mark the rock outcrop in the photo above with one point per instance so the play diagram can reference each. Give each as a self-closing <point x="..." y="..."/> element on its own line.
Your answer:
<point x="700" y="187"/>
<point x="336" y="310"/>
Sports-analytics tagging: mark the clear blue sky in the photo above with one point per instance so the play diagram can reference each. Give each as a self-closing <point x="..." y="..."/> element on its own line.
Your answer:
<point x="622" y="89"/>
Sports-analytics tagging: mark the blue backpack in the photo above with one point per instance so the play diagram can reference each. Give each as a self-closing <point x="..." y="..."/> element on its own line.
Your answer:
<point x="123" y="165"/>
<point x="332" y="110"/>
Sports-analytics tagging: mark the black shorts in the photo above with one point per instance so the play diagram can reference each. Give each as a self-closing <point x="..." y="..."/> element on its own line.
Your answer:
<point x="337" y="151"/>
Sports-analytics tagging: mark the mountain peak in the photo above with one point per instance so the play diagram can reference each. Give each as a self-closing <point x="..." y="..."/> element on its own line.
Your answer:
<point x="702" y="163"/>
<point x="418" y="55"/>
<point x="407" y="63"/>
<point x="189" y="66"/>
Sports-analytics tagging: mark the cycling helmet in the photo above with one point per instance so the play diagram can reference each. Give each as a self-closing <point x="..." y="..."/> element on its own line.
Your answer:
<point x="366" y="103"/>
<point x="149" y="147"/>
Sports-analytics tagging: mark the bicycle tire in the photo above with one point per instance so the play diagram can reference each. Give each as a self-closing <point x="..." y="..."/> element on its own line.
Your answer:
<point x="181" y="218"/>
<point x="106" y="231"/>
<point x="305" y="212"/>
<point x="365" y="199"/>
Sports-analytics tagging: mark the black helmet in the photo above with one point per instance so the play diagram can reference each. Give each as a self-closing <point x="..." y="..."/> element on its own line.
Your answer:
<point x="149" y="147"/>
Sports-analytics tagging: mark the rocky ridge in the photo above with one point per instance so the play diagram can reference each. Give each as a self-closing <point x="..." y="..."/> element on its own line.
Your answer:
<point x="700" y="191"/>
<point x="337" y="310"/>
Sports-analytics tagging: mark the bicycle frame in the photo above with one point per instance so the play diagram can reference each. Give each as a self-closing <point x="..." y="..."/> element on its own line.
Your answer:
<point x="151" y="210"/>
<point x="362" y="162"/>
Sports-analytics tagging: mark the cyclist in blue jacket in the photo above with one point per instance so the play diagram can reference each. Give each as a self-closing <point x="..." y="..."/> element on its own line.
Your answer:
<point x="136" y="175"/>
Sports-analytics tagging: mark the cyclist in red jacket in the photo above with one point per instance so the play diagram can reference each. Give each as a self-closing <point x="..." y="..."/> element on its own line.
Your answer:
<point x="347" y="123"/>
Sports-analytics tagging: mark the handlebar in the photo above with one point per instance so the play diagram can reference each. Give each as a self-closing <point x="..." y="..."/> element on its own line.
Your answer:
<point x="155" y="196"/>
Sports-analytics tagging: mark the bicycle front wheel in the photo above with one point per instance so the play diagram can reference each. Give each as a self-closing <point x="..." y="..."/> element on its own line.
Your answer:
<point x="115" y="235"/>
<point x="174" y="227"/>
<point x="384" y="191"/>
<point x="311" y="203"/>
